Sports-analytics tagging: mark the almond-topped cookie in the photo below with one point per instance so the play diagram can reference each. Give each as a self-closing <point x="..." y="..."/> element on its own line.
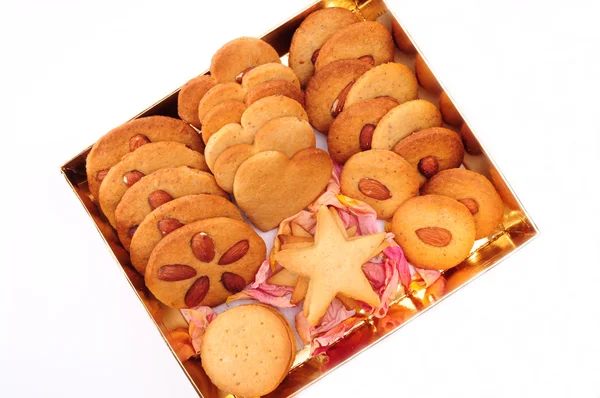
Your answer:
<point x="204" y="262"/>
<point x="240" y="55"/>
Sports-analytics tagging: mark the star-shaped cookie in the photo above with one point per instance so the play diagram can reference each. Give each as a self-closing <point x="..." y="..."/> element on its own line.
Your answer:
<point x="334" y="265"/>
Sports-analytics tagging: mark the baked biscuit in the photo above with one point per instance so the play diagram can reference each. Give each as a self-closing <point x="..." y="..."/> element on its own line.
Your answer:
<point x="270" y="187"/>
<point x="268" y="72"/>
<point x="435" y="232"/>
<point x="287" y="135"/>
<point x="449" y="112"/>
<point x="248" y="350"/>
<point x="403" y="120"/>
<point x="269" y="108"/>
<point x="156" y="189"/>
<point x="326" y="91"/>
<point x="228" y="136"/>
<point x="238" y="55"/>
<point x="474" y="191"/>
<point x="218" y="94"/>
<point x="401" y="39"/>
<point x="352" y="131"/>
<point x="189" y="97"/>
<point x="310" y="36"/>
<point x="472" y="146"/>
<point x="369" y="40"/>
<point x="226" y="112"/>
<point x="173" y="215"/>
<point x="145" y="160"/>
<point x="109" y="149"/>
<point x="386" y="80"/>
<point x="425" y="77"/>
<point x="431" y="150"/>
<point x="204" y="262"/>
<point x="274" y="87"/>
<point x="380" y="178"/>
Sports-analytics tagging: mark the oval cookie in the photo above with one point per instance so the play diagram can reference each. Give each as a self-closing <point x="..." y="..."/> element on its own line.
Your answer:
<point x="189" y="98"/>
<point x="268" y="72"/>
<point x="449" y="112"/>
<point x="269" y="108"/>
<point x="401" y="39"/>
<point x="238" y="55"/>
<point x="226" y="112"/>
<point x="425" y="77"/>
<point x="274" y="87"/>
<point x="228" y="136"/>
<point x="218" y="94"/>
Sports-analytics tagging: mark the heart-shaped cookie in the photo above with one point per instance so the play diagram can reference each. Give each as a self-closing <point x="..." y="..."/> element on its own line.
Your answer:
<point x="270" y="187"/>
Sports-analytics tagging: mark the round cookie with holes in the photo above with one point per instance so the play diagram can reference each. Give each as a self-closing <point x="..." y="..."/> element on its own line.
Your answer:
<point x="145" y="160"/>
<point x="248" y="350"/>
<point x="171" y="216"/>
<point x="189" y="98"/>
<point x="380" y="178"/>
<point x="240" y="55"/>
<point x="434" y="231"/>
<point x="474" y="191"/>
<point x="109" y="149"/>
<point x="156" y="189"/>
<point x="204" y="262"/>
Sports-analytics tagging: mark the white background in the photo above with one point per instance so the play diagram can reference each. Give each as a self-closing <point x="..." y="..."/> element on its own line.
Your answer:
<point x="526" y="74"/>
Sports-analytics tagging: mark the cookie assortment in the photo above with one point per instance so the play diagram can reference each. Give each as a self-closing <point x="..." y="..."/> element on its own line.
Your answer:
<point x="177" y="190"/>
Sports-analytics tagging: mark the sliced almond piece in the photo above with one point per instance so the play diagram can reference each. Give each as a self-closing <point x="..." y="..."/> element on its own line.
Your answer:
<point x="300" y="290"/>
<point x="297" y="230"/>
<point x="297" y="245"/>
<point x="351" y="231"/>
<point x="284" y="277"/>
<point x="338" y="220"/>
<point x="284" y="239"/>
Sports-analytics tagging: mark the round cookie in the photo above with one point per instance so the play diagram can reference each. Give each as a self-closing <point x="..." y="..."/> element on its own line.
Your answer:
<point x="268" y="72"/>
<point x="474" y="191"/>
<point x="435" y="232"/>
<point x="218" y="94"/>
<point x="470" y="143"/>
<point x="274" y="87"/>
<point x="425" y="77"/>
<point x="401" y="39"/>
<point x="173" y="215"/>
<point x="352" y="130"/>
<point x="157" y="189"/>
<point x="238" y="55"/>
<point x="269" y="108"/>
<point x="189" y="97"/>
<point x="380" y="178"/>
<point x="226" y="112"/>
<point x="248" y="350"/>
<point x="229" y="135"/>
<point x="109" y="149"/>
<point x="310" y="36"/>
<point x="323" y="92"/>
<point x="386" y="80"/>
<point x="368" y="40"/>
<point x="145" y="160"/>
<point x="431" y="150"/>
<point x="449" y="112"/>
<point x="403" y="120"/>
<point x="204" y="262"/>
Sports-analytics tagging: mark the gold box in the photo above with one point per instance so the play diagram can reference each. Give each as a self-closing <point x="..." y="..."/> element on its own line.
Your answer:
<point x="516" y="230"/>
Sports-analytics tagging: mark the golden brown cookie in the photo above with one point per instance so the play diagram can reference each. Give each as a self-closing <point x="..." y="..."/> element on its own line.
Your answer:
<point x="173" y="215"/>
<point x="435" y="232"/>
<point x="145" y="160"/>
<point x="426" y="78"/>
<point x="238" y="55"/>
<point x="204" y="262"/>
<point x="431" y="150"/>
<point x="403" y="120"/>
<point x="274" y="87"/>
<point x="287" y="135"/>
<point x="228" y="136"/>
<point x="369" y="40"/>
<point x="327" y="90"/>
<point x="474" y="191"/>
<point x="218" y="94"/>
<point x="503" y="189"/>
<point x="226" y="112"/>
<point x="471" y="144"/>
<point x="386" y="80"/>
<point x="269" y="108"/>
<point x="156" y="189"/>
<point x="449" y="112"/>
<point x="401" y="39"/>
<point x="189" y="97"/>
<point x="380" y="178"/>
<point x="268" y="72"/>
<point x="248" y="350"/>
<point x="270" y="187"/>
<point x="310" y="36"/>
<point x="109" y="149"/>
<point x="352" y="131"/>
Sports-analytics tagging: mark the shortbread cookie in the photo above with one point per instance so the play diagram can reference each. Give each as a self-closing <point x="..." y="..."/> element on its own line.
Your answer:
<point x="471" y="144"/>
<point x="218" y="94"/>
<point x="327" y="90"/>
<point x="270" y="187"/>
<point x="435" y="232"/>
<point x="226" y="112"/>
<point x="403" y="120"/>
<point x="109" y="149"/>
<point x="204" y="262"/>
<point x="352" y="131"/>
<point x="474" y="191"/>
<point x="238" y="55"/>
<point x="431" y="150"/>
<point x="310" y="36"/>
<point x="189" y="98"/>
<point x="156" y="189"/>
<point x="248" y="350"/>
<point x="369" y="41"/>
<point x="426" y="78"/>
<point x="449" y="112"/>
<point x="268" y="72"/>
<point x="269" y="108"/>
<point x="287" y="135"/>
<point x="145" y="160"/>
<point x="401" y="39"/>
<point x="274" y="87"/>
<point x="380" y="178"/>
<point x="173" y="215"/>
<point x="228" y="136"/>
